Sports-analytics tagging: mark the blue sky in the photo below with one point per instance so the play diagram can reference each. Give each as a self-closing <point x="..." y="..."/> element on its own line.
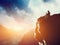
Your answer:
<point x="11" y="4"/>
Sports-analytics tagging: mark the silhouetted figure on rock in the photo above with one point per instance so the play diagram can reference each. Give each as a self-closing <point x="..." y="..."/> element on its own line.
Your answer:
<point x="49" y="29"/>
<point x="48" y="13"/>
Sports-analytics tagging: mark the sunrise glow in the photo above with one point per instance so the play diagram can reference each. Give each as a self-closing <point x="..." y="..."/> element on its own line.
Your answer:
<point x="18" y="18"/>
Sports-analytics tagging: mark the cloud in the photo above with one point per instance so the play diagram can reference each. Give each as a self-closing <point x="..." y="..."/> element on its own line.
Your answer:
<point x="39" y="7"/>
<point x="9" y="5"/>
<point x="21" y="19"/>
<point x="14" y="13"/>
<point x="19" y="16"/>
<point x="47" y="0"/>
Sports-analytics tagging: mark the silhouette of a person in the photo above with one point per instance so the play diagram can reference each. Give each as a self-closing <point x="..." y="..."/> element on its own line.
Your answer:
<point x="47" y="14"/>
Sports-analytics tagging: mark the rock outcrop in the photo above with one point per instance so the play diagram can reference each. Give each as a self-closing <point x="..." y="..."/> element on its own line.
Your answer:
<point x="49" y="27"/>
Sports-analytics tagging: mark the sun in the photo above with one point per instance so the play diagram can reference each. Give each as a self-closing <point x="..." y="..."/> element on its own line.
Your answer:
<point x="17" y="28"/>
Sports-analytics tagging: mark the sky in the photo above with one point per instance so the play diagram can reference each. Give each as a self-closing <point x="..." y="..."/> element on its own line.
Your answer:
<point x="23" y="14"/>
